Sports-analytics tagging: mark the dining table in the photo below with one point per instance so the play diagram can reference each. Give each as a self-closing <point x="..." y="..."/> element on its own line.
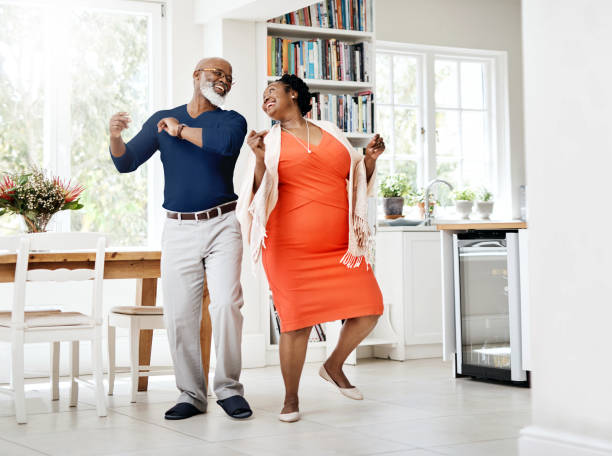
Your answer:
<point x="141" y="265"/>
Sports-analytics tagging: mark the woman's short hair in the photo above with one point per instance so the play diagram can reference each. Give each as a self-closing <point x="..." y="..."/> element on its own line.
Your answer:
<point x="292" y="82"/>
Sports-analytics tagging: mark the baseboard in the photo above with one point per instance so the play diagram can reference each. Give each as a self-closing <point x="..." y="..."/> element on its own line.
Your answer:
<point x="423" y="351"/>
<point x="420" y="351"/>
<point x="539" y="441"/>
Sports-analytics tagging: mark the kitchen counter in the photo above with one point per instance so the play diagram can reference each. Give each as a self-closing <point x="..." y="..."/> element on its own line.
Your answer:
<point x="482" y="225"/>
<point x="454" y="225"/>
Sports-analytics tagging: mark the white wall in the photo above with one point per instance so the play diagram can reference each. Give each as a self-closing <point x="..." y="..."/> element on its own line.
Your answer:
<point x="474" y="24"/>
<point x="187" y="48"/>
<point x="568" y="107"/>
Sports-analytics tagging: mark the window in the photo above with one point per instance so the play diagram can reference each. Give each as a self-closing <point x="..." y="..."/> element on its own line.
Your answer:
<point x="442" y="112"/>
<point x="400" y="113"/>
<point x="64" y="70"/>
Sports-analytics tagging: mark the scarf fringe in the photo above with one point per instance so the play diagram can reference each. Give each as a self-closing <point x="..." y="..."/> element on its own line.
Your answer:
<point x="351" y="261"/>
<point x="363" y="234"/>
<point x="258" y="237"/>
<point x="361" y="248"/>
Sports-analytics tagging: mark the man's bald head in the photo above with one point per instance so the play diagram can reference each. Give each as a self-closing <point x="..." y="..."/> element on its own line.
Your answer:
<point x="214" y="62"/>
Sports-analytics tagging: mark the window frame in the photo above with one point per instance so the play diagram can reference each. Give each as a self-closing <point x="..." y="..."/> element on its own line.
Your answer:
<point x="56" y="135"/>
<point x="495" y="98"/>
<point x="419" y="107"/>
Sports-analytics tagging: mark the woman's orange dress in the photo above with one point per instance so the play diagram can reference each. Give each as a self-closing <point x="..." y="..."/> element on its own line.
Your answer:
<point x="307" y="235"/>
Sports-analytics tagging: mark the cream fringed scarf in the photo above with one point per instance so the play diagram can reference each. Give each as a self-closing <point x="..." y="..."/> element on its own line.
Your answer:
<point x="253" y="210"/>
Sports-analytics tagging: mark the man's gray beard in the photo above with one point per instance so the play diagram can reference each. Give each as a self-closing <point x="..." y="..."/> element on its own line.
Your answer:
<point x="209" y="93"/>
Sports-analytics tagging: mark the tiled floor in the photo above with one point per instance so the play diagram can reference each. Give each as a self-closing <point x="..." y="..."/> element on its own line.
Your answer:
<point x="412" y="408"/>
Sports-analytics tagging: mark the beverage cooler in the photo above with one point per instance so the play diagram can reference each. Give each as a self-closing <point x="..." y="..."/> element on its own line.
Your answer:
<point x="487" y="306"/>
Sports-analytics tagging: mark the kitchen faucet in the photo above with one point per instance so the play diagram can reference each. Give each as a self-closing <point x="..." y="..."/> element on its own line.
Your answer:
<point x="427" y="221"/>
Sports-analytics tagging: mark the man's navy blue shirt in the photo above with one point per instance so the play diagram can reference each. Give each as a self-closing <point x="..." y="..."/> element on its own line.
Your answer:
<point x="196" y="178"/>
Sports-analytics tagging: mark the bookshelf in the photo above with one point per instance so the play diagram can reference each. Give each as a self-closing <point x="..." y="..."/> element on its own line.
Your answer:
<point x="317" y="85"/>
<point x="304" y="33"/>
<point x="318" y="350"/>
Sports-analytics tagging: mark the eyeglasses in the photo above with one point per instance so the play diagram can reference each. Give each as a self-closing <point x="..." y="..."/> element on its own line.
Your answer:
<point x="219" y="74"/>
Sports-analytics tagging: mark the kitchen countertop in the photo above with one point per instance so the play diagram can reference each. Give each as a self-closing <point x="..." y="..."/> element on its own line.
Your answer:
<point x="454" y="225"/>
<point x="482" y="225"/>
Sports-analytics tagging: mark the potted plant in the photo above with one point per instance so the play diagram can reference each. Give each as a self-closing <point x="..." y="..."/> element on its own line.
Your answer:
<point x="393" y="188"/>
<point x="37" y="197"/>
<point x="464" y="201"/>
<point x="484" y="203"/>
<point x="417" y="198"/>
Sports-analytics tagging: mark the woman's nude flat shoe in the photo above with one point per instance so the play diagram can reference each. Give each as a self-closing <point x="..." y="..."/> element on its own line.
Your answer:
<point x="351" y="393"/>
<point x="289" y="417"/>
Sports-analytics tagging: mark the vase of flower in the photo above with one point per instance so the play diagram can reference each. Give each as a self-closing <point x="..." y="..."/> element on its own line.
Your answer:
<point x="37" y="197"/>
<point x="36" y="223"/>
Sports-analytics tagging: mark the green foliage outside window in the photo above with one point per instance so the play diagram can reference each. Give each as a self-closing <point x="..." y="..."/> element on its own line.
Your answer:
<point x="40" y="101"/>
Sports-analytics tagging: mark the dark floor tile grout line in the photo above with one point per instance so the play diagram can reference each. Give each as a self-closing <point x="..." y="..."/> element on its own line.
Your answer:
<point x="24" y="446"/>
<point x="475" y="414"/>
<point x="431" y="448"/>
<point x="408" y="445"/>
<point x="163" y="427"/>
<point x="71" y="410"/>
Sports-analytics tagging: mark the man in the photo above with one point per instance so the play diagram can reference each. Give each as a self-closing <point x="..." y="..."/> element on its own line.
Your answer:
<point x="199" y="145"/>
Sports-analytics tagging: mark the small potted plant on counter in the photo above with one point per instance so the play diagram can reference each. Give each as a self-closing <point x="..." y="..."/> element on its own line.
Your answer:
<point x="417" y="198"/>
<point x="393" y="188"/>
<point x="484" y="204"/>
<point x="464" y="201"/>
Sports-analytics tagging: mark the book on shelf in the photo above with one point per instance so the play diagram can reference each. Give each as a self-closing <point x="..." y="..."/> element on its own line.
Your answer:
<point x="328" y="59"/>
<point x="351" y="113"/>
<point x="317" y="334"/>
<point x="340" y="14"/>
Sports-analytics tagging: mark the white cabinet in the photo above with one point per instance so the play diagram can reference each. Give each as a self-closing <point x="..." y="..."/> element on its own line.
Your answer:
<point x="408" y="269"/>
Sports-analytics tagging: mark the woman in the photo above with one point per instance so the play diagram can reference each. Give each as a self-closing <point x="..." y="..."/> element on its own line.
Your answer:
<point x="316" y="231"/>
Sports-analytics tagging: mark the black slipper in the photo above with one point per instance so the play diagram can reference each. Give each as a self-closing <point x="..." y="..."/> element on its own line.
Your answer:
<point x="236" y="407"/>
<point x="181" y="411"/>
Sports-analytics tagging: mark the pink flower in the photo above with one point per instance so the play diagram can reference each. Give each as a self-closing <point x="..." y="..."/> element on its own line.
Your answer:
<point x="7" y="186"/>
<point x="70" y="191"/>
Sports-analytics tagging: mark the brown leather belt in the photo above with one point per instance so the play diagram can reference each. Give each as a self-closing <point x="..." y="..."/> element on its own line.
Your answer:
<point x="204" y="215"/>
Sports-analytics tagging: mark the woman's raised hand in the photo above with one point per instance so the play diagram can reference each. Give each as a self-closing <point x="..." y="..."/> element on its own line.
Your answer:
<point x="375" y="147"/>
<point x="255" y="140"/>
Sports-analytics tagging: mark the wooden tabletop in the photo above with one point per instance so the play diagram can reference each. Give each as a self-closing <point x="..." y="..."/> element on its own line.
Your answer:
<point x="482" y="225"/>
<point x="119" y="263"/>
<point x="111" y="255"/>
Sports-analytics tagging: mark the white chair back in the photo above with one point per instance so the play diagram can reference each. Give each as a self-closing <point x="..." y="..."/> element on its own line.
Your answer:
<point x="10" y="243"/>
<point x="62" y="242"/>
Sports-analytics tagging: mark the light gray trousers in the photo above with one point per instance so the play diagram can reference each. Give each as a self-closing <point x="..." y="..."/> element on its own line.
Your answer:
<point x="189" y="250"/>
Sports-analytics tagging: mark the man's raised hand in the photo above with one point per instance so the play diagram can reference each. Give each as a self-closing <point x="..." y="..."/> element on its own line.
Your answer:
<point x="118" y="123"/>
<point x="169" y="125"/>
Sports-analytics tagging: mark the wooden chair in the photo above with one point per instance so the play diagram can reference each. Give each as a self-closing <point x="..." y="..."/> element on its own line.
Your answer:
<point x="135" y="318"/>
<point x="19" y="327"/>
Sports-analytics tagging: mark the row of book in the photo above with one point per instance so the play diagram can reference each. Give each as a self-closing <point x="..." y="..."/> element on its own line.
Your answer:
<point x="319" y="59"/>
<point x="351" y="113"/>
<point x="340" y="14"/>
<point x="316" y="335"/>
